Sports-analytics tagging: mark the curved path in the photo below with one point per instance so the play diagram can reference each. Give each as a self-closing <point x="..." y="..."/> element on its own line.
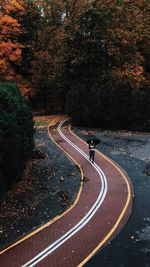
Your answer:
<point x="101" y="209"/>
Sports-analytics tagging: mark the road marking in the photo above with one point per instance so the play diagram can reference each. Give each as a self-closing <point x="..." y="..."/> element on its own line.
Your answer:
<point x="44" y="253"/>
<point x="128" y="201"/>
<point x="58" y="216"/>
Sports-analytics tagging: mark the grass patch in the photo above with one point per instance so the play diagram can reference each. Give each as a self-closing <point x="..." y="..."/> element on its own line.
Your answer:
<point x="41" y="123"/>
<point x="51" y="120"/>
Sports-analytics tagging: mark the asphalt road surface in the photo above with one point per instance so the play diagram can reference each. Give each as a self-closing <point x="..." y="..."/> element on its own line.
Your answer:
<point x="131" y="247"/>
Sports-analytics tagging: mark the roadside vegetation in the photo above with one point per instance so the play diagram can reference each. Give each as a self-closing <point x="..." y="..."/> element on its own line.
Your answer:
<point x="16" y="134"/>
<point x="84" y="59"/>
<point x="87" y="58"/>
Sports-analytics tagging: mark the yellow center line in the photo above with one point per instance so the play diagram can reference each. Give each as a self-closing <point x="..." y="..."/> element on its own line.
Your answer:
<point x="111" y="232"/>
<point x="128" y="201"/>
<point x="57" y="217"/>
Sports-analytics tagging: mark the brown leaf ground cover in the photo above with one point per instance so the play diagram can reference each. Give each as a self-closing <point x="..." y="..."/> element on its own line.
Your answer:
<point x="51" y="183"/>
<point x="131" y="150"/>
<point x="42" y="121"/>
<point x="48" y="187"/>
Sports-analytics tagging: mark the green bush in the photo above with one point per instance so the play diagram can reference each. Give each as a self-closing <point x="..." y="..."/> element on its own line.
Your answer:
<point x="16" y="133"/>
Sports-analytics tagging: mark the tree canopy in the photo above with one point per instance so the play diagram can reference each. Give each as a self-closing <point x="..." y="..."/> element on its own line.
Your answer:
<point x="10" y="29"/>
<point x="98" y="50"/>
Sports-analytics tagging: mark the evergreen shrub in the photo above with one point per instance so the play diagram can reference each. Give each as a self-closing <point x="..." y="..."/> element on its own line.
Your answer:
<point x="16" y="133"/>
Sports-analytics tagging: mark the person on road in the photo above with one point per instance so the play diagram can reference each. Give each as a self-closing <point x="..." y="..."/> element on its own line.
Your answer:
<point x="91" y="151"/>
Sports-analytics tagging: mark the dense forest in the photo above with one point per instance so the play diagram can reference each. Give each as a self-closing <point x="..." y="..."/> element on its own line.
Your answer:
<point x="89" y="59"/>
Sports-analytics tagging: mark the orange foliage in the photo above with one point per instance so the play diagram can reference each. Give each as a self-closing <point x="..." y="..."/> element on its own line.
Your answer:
<point x="13" y="6"/>
<point x="9" y="26"/>
<point x="10" y="48"/>
<point x="24" y="86"/>
<point x="133" y="72"/>
<point x="128" y="26"/>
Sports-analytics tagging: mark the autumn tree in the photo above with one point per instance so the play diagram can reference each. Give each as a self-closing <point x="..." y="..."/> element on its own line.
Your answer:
<point x="71" y="49"/>
<point x="44" y="49"/>
<point x="117" y="68"/>
<point x="127" y="27"/>
<point x="46" y="62"/>
<point x="10" y="30"/>
<point x="87" y="63"/>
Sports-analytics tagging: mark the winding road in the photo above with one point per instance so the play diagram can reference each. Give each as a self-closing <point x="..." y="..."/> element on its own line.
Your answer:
<point x="100" y="211"/>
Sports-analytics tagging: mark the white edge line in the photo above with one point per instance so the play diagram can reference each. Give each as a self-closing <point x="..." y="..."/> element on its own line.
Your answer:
<point x="44" y="253"/>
